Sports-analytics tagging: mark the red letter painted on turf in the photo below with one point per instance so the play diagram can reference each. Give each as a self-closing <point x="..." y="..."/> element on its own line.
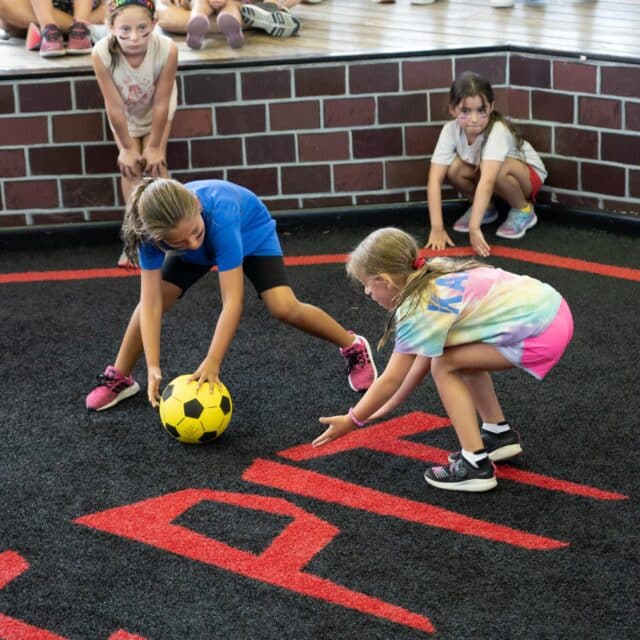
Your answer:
<point x="334" y="490"/>
<point x="281" y="564"/>
<point x="387" y="437"/>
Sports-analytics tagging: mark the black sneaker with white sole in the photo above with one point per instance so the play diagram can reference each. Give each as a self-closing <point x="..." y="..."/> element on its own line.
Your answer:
<point x="499" y="446"/>
<point x="463" y="476"/>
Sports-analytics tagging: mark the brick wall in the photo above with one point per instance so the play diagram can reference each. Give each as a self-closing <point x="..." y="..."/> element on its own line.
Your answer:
<point x="318" y="135"/>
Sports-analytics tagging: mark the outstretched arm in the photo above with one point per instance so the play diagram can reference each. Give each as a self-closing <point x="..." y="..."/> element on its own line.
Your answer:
<point x="232" y="292"/>
<point x="489" y="170"/>
<point x="438" y="237"/>
<point x="154" y="152"/>
<point x="419" y="369"/>
<point x="150" y="326"/>
<point x="380" y="391"/>
<point x="129" y="158"/>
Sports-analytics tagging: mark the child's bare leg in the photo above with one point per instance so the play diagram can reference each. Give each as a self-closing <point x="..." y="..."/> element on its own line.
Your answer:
<point x="229" y="21"/>
<point x="464" y="177"/>
<point x="176" y="19"/>
<point x="285" y="307"/>
<point x="82" y="10"/>
<point x="162" y="170"/>
<point x="131" y="348"/>
<point x="16" y="15"/>
<point x="447" y="372"/>
<point x="513" y="183"/>
<point x="484" y="397"/>
<point x="99" y="14"/>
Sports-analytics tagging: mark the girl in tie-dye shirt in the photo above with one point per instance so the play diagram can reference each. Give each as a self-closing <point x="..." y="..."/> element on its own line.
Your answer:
<point x="459" y="319"/>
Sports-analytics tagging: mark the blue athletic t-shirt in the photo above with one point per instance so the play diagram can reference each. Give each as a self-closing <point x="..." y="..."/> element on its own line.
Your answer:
<point x="237" y="224"/>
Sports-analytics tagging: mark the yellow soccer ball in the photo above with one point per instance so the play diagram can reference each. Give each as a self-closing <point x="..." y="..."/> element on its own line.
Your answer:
<point x="192" y="415"/>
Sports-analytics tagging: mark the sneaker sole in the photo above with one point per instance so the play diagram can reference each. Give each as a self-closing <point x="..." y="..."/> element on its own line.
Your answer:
<point x="232" y="30"/>
<point x="497" y="455"/>
<point x="373" y="365"/>
<point x="477" y="485"/>
<point x="517" y="236"/>
<point x="79" y="52"/>
<point x="123" y="395"/>
<point x="197" y="29"/>
<point x="52" y="54"/>
<point x="505" y="453"/>
<point x="278" y="24"/>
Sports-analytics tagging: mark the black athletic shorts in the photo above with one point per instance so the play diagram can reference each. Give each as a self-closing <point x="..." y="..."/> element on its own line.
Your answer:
<point x="264" y="272"/>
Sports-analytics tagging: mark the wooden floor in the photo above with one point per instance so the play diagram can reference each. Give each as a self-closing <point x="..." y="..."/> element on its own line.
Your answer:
<point x="594" y="28"/>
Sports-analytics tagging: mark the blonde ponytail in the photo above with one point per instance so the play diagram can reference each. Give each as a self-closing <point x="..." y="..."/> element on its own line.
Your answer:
<point x="394" y="252"/>
<point x="154" y="208"/>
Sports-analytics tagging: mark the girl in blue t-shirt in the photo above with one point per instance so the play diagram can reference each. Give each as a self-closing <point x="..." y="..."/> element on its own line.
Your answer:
<point x="176" y="233"/>
<point x="460" y="319"/>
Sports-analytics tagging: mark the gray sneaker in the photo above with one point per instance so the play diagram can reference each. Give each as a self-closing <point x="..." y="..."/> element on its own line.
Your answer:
<point x="461" y="225"/>
<point x="463" y="476"/>
<point x="516" y="224"/>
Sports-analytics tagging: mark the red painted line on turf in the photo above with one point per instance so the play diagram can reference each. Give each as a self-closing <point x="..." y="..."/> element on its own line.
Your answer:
<point x="334" y="490"/>
<point x="12" y="629"/>
<point x="12" y="564"/>
<point x="281" y="564"/>
<point x="386" y="437"/>
<point x="522" y="255"/>
<point x="121" y="634"/>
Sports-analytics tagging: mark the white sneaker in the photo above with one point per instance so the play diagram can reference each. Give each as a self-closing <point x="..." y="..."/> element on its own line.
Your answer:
<point x="502" y="4"/>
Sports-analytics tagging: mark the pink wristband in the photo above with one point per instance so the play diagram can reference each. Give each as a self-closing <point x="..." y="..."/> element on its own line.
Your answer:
<point x="358" y="423"/>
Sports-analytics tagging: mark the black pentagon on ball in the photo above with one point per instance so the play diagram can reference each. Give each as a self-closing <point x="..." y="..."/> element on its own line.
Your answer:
<point x="172" y="430"/>
<point x="208" y="436"/>
<point x="168" y="390"/>
<point x="225" y="405"/>
<point x="193" y="408"/>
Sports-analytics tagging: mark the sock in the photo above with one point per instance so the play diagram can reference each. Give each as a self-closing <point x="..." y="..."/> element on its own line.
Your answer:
<point x="526" y="209"/>
<point x="500" y="427"/>
<point x="475" y="457"/>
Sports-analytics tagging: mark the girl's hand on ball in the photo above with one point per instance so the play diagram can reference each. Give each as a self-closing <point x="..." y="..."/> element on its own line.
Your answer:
<point x="154" y="377"/>
<point x="207" y="372"/>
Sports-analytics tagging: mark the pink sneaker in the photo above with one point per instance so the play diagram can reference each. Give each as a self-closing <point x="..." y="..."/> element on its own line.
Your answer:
<point x="361" y="370"/>
<point x="112" y="388"/>
<point x="79" y="41"/>
<point x="52" y="43"/>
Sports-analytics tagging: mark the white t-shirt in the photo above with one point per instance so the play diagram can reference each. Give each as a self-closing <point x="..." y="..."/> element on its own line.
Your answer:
<point x="501" y="144"/>
<point x="137" y="85"/>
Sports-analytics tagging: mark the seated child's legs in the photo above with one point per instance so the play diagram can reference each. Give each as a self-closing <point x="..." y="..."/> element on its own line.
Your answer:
<point x="513" y="183"/>
<point x="463" y="176"/>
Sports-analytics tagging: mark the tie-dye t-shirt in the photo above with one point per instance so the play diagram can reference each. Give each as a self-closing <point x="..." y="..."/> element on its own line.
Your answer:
<point x="479" y="305"/>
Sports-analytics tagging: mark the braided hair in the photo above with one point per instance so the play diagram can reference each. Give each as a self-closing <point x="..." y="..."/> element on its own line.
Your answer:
<point x="154" y="208"/>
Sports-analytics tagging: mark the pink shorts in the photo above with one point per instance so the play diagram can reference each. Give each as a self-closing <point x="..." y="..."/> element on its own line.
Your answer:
<point x="541" y="353"/>
<point x="536" y="183"/>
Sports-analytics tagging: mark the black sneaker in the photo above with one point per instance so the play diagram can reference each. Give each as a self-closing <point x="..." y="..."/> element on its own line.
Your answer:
<point x="499" y="446"/>
<point x="463" y="476"/>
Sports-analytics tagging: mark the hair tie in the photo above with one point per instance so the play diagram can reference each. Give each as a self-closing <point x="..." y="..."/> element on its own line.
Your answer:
<point x="418" y="263"/>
